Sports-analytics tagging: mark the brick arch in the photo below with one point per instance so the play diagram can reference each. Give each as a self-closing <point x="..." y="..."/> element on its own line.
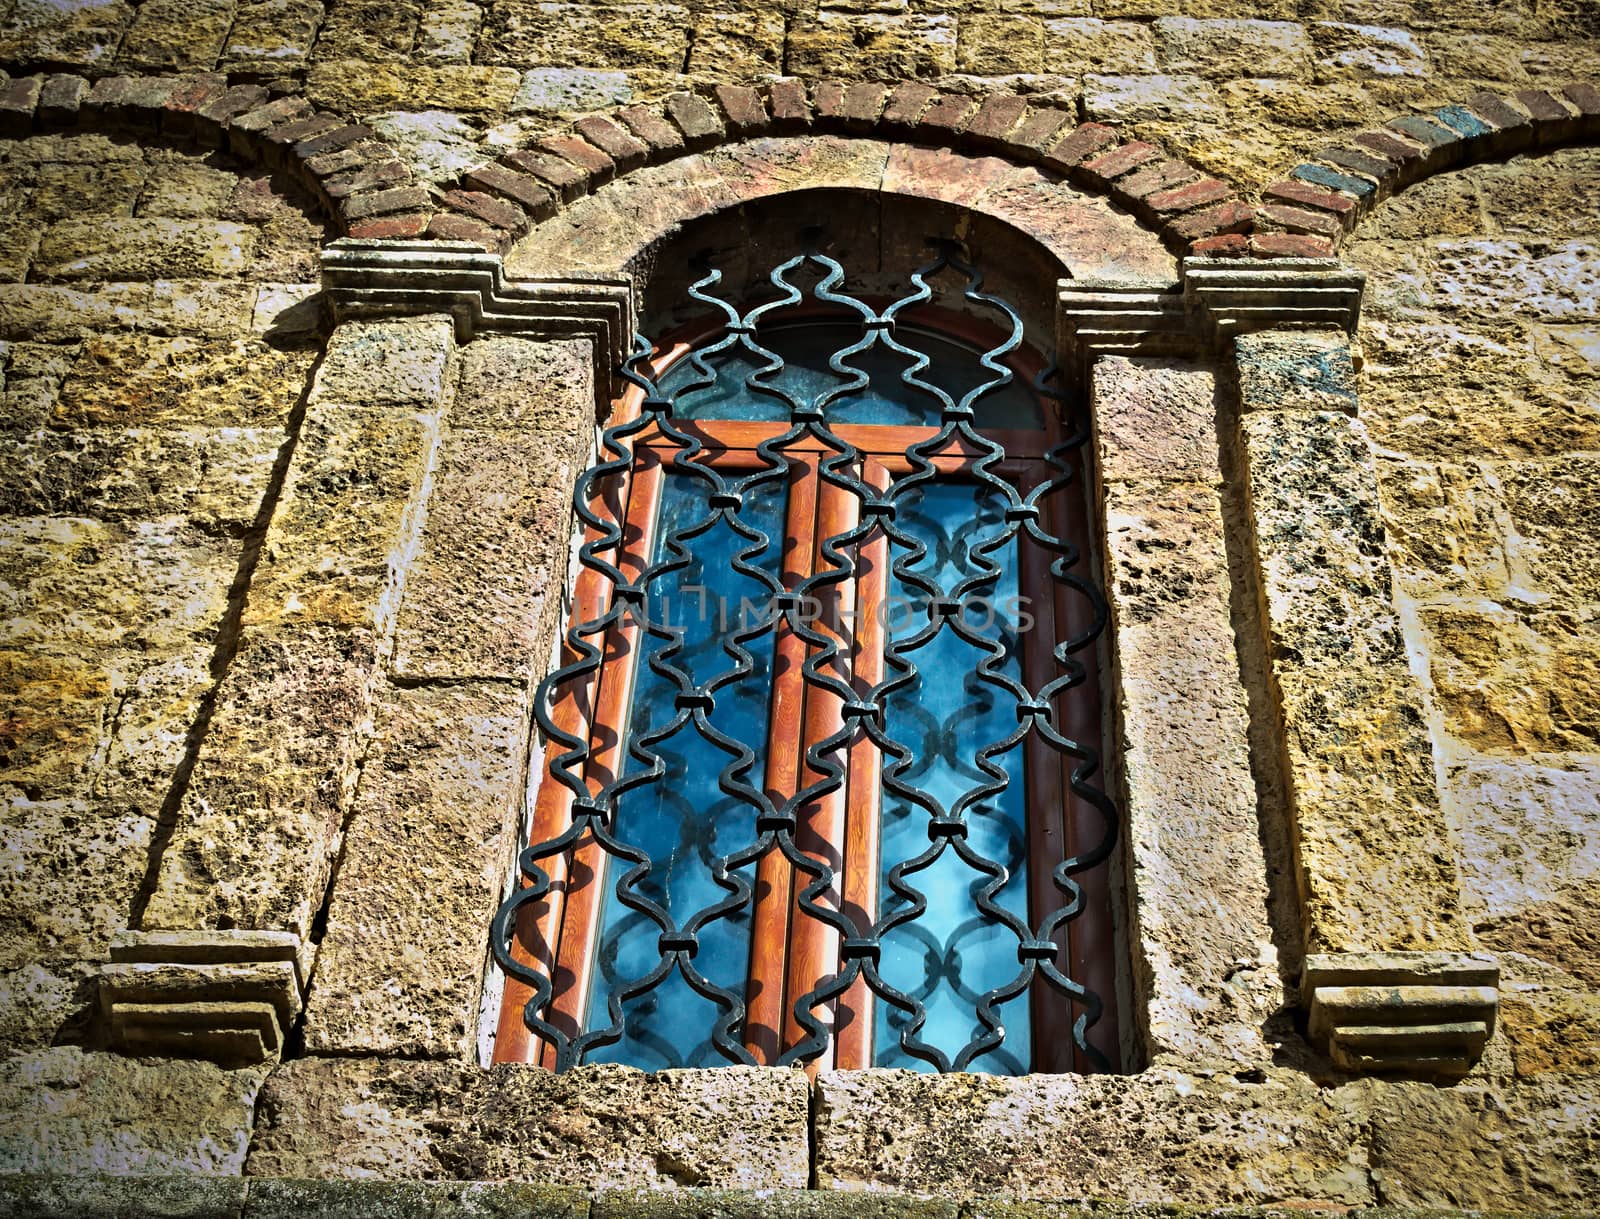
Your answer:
<point x="1324" y="198"/>
<point x="498" y="202"/>
<point x="357" y="179"/>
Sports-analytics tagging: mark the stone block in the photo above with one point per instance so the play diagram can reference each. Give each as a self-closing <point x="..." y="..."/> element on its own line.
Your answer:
<point x="274" y="1198"/>
<point x="402" y="962"/>
<point x="66" y="1111"/>
<point x="598" y="1127"/>
<point x="48" y="1195"/>
<point x="357" y="87"/>
<point x="1155" y="419"/>
<point x="448" y="32"/>
<point x="435" y="145"/>
<point x="1363" y="52"/>
<point x="1198" y="879"/>
<point x="1143" y="99"/>
<point x="1446" y="528"/>
<point x="526" y="34"/>
<point x="271" y="35"/>
<point x="484" y="593"/>
<point x="1086" y="44"/>
<point x="78" y="189"/>
<point x="52" y="313"/>
<point x="1553" y="511"/>
<point x="571" y="90"/>
<point x="1227" y="48"/>
<point x="1296" y="370"/>
<point x="188" y="306"/>
<point x="396" y="364"/>
<point x="369" y="30"/>
<point x="877" y="46"/>
<point x="140" y="380"/>
<point x="83" y="36"/>
<point x="154" y="247"/>
<point x="1152" y="1137"/>
<point x="176" y="36"/>
<point x="736" y="44"/>
<point x="993" y="44"/>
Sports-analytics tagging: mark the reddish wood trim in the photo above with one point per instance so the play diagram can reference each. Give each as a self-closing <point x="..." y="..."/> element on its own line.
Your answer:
<point x="769" y="957"/>
<point x="813" y="945"/>
<point x="854" y="1018"/>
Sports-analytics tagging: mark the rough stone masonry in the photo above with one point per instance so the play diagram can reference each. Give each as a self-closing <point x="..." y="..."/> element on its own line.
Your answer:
<point x="306" y="310"/>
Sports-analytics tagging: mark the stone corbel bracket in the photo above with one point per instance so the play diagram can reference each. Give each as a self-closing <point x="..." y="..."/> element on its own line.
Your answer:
<point x="1214" y="300"/>
<point x="229" y="996"/>
<point x="1419" y="1013"/>
<point x="371" y="279"/>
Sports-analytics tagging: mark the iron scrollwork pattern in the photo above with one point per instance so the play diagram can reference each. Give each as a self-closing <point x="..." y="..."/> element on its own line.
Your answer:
<point x="773" y="824"/>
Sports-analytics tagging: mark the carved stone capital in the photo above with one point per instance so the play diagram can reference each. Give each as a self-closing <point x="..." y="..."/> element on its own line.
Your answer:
<point x="1420" y="1013"/>
<point x="366" y="279"/>
<point x="229" y="996"/>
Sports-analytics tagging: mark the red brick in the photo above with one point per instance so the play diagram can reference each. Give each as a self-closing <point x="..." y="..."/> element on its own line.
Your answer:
<point x="826" y="98"/>
<point x="1230" y="217"/>
<point x="1390" y="148"/>
<point x="1290" y="245"/>
<point x="1497" y="112"/>
<point x="1123" y="160"/>
<point x="1086" y="141"/>
<point x="1187" y="198"/>
<point x="334" y="139"/>
<point x="949" y="114"/>
<point x="413" y="225"/>
<point x="1304" y="195"/>
<point x="906" y="104"/>
<point x="337" y="160"/>
<point x="366" y="177"/>
<point x="564" y="178"/>
<point x="1298" y="219"/>
<point x="449" y="226"/>
<point x="1226" y="245"/>
<point x="700" y="124"/>
<point x="181" y="113"/>
<point x="790" y="108"/>
<point x="652" y="128"/>
<point x="997" y="116"/>
<point x="584" y="155"/>
<point x="1543" y="107"/>
<point x="494" y="212"/>
<point x="1158" y="176"/>
<point x="302" y="129"/>
<point x="1584" y="96"/>
<point x="624" y="149"/>
<point x="861" y="105"/>
<point x="743" y="108"/>
<point x="386" y="202"/>
<point x="284" y="110"/>
<point x="1038" y="129"/>
<point x="230" y="102"/>
<point x="1360" y="160"/>
<point x="534" y="197"/>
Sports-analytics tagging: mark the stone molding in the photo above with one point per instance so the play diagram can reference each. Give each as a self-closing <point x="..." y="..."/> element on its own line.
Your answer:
<point x="1214" y="300"/>
<point x="377" y="279"/>
<point x="229" y="996"/>
<point x="1422" y="1013"/>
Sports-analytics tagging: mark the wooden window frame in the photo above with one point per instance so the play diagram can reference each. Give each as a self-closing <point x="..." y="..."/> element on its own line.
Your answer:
<point x="789" y="955"/>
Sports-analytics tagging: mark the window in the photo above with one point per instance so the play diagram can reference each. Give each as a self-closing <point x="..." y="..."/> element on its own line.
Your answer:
<point x="821" y="755"/>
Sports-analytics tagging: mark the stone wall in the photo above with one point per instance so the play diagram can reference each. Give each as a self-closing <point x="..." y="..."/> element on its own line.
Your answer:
<point x="278" y="583"/>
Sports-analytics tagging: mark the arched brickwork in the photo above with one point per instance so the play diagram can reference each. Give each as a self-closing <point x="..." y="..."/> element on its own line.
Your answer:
<point x="355" y="176"/>
<point x="498" y="202"/>
<point x="1325" y="197"/>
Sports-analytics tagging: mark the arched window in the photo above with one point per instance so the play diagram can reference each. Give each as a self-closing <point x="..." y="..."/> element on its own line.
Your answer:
<point x="821" y="755"/>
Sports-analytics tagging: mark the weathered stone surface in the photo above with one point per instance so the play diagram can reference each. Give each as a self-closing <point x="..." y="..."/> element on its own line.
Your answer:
<point x="1139" y="99"/>
<point x="155" y="247"/>
<point x="530" y="35"/>
<point x="176" y="35"/>
<point x="1156" y="419"/>
<point x="991" y="44"/>
<point x="352" y="87"/>
<point x="875" y="46"/>
<point x="1359" y="51"/>
<point x="369" y="30"/>
<point x="571" y="90"/>
<point x="736" y="44"/>
<point x="66" y="1111"/>
<point x="1554" y="512"/>
<point x="1295" y="370"/>
<point x="1232" y="48"/>
<point x="1081" y="44"/>
<point x="1446" y="528"/>
<point x="599" y="1126"/>
<point x="1212" y="1139"/>
<point x="46" y="1195"/>
<point x="397" y="364"/>
<point x="78" y="35"/>
<point x="1198" y="878"/>
<point x="424" y="858"/>
<point x="271" y="35"/>
<point x="438" y="146"/>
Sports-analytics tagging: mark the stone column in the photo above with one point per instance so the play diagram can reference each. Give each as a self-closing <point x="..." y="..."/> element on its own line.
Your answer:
<point x="1389" y="980"/>
<point x="407" y="589"/>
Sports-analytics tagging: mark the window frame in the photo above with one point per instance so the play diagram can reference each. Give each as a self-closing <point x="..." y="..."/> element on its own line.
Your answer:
<point x="563" y="930"/>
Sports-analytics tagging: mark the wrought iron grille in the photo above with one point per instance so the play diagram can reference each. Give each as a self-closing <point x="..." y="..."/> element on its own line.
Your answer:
<point x="659" y="947"/>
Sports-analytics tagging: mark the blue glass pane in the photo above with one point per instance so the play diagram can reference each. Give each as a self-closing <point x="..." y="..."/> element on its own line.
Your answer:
<point x="806" y="349"/>
<point x="950" y="955"/>
<point x="684" y="821"/>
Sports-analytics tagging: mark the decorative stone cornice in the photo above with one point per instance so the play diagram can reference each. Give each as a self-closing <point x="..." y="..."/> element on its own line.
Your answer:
<point x="229" y="996"/>
<point x="1214" y="300"/>
<point x="372" y="278"/>
<point x="1420" y="1013"/>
